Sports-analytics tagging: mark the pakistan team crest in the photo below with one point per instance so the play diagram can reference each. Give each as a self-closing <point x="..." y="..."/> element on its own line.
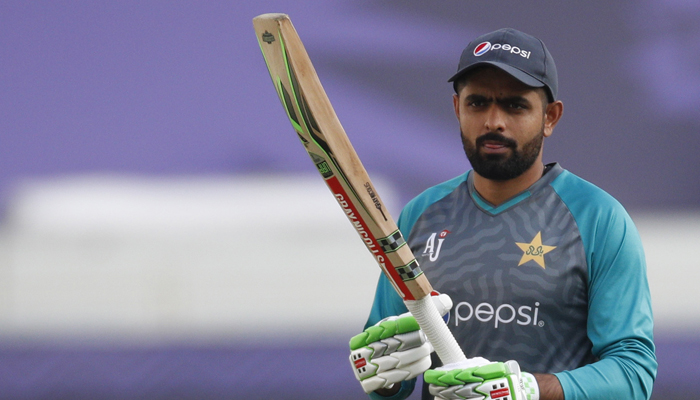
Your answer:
<point x="534" y="251"/>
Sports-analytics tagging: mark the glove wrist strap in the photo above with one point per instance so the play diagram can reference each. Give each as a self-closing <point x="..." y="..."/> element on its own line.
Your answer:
<point x="530" y="386"/>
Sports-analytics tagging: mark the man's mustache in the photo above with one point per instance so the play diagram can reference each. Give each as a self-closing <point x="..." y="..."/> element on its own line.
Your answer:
<point x="496" y="137"/>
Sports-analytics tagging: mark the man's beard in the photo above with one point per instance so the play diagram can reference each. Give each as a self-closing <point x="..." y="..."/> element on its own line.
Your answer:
<point x="499" y="167"/>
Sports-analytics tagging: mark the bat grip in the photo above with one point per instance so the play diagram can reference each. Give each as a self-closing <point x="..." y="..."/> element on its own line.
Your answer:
<point x="436" y="330"/>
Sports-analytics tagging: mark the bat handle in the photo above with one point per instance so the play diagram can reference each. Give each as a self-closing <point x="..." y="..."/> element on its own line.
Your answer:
<point x="436" y="330"/>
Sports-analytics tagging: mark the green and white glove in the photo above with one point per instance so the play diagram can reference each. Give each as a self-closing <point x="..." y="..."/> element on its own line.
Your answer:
<point x="480" y="379"/>
<point x="393" y="350"/>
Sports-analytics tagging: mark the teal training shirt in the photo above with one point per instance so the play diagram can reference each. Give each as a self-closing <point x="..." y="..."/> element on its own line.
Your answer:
<point x="554" y="278"/>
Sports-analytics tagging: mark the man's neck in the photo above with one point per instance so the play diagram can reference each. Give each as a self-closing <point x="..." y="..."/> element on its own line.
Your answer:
<point x="498" y="192"/>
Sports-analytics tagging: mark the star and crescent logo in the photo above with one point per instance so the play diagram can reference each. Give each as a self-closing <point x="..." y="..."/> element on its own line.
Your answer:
<point x="534" y="251"/>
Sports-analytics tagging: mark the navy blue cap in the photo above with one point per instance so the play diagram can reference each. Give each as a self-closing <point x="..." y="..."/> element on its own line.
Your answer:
<point x="522" y="56"/>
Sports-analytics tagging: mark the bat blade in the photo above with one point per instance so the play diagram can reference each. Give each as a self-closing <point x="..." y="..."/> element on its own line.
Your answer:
<point x="312" y="116"/>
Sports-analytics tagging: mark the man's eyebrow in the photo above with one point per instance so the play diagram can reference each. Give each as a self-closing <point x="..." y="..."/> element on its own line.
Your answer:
<point x="517" y="99"/>
<point x="480" y="97"/>
<point x="512" y="99"/>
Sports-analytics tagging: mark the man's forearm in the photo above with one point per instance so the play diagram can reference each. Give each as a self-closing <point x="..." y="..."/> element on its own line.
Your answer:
<point x="550" y="387"/>
<point x="388" y="392"/>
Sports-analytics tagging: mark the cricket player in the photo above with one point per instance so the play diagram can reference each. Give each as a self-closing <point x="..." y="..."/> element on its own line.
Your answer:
<point x="542" y="274"/>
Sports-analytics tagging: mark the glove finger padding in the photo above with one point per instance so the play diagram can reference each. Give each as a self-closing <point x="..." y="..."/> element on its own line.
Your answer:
<point x="483" y="380"/>
<point x="393" y="350"/>
<point x="388" y="370"/>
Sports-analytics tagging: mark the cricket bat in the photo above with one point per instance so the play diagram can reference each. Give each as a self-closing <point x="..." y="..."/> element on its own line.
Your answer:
<point x="326" y="142"/>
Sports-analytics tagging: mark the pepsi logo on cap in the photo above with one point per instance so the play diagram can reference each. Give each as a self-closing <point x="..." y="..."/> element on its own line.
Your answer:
<point x="482" y="48"/>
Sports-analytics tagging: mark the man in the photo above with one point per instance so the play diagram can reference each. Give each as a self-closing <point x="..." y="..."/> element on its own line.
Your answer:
<point x="546" y="271"/>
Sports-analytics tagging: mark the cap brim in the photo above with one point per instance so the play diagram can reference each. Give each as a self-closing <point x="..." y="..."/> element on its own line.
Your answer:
<point x="523" y="77"/>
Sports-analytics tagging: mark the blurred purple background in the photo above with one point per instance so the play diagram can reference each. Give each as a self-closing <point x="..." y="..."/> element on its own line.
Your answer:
<point x="179" y="87"/>
<point x="163" y="87"/>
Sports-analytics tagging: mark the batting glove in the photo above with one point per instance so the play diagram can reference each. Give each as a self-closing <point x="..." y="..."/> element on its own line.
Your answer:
<point x="479" y="379"/>
<point x="393" y="350"/>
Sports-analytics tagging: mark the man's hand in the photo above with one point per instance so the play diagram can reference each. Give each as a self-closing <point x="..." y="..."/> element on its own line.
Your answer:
<point x="480" y="379"/>
<point x="393" y="350"/>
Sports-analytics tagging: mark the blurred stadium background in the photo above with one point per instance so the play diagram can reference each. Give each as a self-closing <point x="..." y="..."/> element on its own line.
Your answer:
<point x="164" y="236"/>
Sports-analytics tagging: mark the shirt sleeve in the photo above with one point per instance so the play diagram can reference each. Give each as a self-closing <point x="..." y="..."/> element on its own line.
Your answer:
<point x="388" y="303"/>
<point x="620" y="321"/>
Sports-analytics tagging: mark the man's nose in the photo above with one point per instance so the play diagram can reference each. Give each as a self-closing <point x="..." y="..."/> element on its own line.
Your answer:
<point x="495" y="121"/>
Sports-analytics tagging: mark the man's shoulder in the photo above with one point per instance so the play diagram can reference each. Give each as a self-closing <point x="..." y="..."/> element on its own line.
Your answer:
<point x="593" y="209"/>
<point x="437" y="192"/>
<point x="420" y="203"/>
<point x="578" y="192"/>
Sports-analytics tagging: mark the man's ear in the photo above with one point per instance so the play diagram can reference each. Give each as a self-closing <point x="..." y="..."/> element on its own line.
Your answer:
<point x="455" y="102"/>
<point x="552" y="114"/>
